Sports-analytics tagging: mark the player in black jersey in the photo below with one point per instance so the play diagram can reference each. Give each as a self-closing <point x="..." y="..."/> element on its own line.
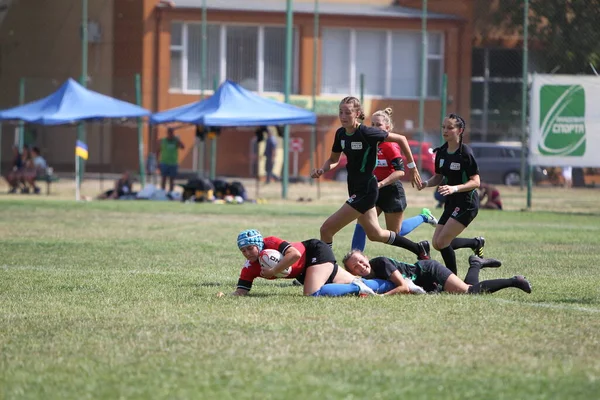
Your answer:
<point x="457" y="174"/>
<point x="359" y="143"/>
<point x="430" y="275"/>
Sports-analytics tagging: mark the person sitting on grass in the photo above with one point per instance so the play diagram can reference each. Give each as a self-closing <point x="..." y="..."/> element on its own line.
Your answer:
<point x="311" y="262"/>
<point x="35" y="168"/>
<point x="430" y="275"/>
<point x="12" y="177"/>
<point x="123" y="187"/>
<point x="492" y="196"/>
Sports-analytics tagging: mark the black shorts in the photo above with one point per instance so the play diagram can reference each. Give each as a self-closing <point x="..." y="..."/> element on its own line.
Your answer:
<point x="318" y="252"/>
<point x="392" y="198"/>
<point x="430" y="273"/>
<point x="363" y="196"/>
<point x="464" y="209"/>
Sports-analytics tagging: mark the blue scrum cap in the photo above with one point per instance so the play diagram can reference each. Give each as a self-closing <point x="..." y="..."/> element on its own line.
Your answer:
<point x="250" y="237"/>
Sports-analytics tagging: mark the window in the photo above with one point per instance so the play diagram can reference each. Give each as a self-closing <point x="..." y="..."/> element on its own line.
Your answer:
<point x="253" y="56"/>
<point x="389" y="60"/>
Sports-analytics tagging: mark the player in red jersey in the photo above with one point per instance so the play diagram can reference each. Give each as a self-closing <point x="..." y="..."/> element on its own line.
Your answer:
<point x="312" y="263"/>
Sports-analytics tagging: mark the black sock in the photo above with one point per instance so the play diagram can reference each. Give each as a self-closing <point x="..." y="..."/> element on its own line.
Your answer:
<point x="491" y="286"/>
<point x="460" y="243"/>
<point x="401" y="241"/>
<point x="472" y="277"/>
<point x="330" y="244"/>
<point x="449" y="258"/>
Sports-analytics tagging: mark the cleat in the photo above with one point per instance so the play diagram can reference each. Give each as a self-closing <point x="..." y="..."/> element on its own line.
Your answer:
<point x="484" y="262"/>
<point x="430" y="219"/>
<point x="423" y="250"/>
<point x="522" y="283"/>
<point x="480" y="245"/>
<point x="363" y="289"/>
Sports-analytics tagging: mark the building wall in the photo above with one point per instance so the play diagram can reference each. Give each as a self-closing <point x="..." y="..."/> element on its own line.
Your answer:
<point x="233" y="157"/>
<point x="136" y="39"/>
<point x="40" y="41"/>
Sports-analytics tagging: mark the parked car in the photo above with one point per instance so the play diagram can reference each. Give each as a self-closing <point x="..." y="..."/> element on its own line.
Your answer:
<point x="427" y="170"/>
<point x="501" y="164"/>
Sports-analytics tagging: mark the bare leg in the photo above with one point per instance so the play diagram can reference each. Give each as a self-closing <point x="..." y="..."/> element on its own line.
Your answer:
<point x="337" y="221"/>
<point x="455" y="285"/>
<point x="316" y="277"/>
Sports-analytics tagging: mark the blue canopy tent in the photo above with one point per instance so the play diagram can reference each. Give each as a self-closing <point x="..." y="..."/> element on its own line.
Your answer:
<point x="232" y="105"/>
<point x="73" y="103"/>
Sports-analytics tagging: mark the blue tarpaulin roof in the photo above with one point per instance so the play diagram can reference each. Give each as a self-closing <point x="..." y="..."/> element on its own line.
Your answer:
<point x="232" y="105"/>
<point x="72" y="102"/>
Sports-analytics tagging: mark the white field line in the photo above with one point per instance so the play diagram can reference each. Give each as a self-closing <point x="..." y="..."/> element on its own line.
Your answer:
<point x="552" y="306"/>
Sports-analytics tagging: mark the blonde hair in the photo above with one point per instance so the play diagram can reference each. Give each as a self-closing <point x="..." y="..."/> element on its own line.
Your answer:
<point x="355" y="104"/>
<point x="386" y="114"/>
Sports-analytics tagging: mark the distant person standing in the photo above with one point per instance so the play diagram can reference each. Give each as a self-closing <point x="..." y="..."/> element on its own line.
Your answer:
<point x="270" y="149"/>
<point x="567" y="173"/>
<point x="168" y="158"/>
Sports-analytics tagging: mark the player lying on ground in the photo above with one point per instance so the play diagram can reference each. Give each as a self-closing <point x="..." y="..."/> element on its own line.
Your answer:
<point x="311" y="262"/>
<point x="431" y="275"/>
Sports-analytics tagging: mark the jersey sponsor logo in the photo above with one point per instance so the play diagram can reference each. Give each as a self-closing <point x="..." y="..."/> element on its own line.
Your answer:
<point x="441" y="163"/>
<point x="351" y="199"/>
<point x="343" y="144"/>
<point x="456" y="211"/>
<point x="455" y="166"/>
<point x="356" y="145"/>
<point x="382" y="163"/>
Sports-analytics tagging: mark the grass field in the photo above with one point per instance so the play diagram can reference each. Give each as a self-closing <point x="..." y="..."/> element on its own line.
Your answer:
<point x="118" y="300"/>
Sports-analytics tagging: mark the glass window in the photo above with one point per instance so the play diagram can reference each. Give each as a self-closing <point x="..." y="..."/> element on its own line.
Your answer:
<point x="434" y="78"/>
<point x="274" y="59"/>
<point x="371" y="61"/>
<point x="176" y="80"/>
<point x="242" y="56"/>
<point x="232" y="53"/>
<point x="176" y="34"/>
<point x="336" y="61"/>
<point x="194" y="54"/>
<point x="406" y="60"/>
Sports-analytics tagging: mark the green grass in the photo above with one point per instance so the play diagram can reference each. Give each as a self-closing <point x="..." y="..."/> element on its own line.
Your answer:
<point x="118" y="300"/>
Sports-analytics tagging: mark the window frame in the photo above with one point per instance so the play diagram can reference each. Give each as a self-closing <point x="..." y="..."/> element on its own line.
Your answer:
<point x="388" y="64"/>
<point x="184" y="49"/>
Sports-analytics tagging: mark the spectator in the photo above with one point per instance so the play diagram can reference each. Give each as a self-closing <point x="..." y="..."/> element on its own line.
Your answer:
<point x="492" y="194"/>
<point x="270" y="150"/>
<point x="12" y="177"/>
<point x="35" y="168"/>
<point x="168" y="158"/>
<point x="567" y="173"/>
<point x="123" y="187"/>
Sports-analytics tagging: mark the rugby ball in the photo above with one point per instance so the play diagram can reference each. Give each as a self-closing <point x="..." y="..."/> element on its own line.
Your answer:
<point x="269" y="258"/>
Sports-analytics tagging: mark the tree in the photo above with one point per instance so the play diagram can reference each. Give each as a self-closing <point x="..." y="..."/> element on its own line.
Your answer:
<point x="566" y="32"/>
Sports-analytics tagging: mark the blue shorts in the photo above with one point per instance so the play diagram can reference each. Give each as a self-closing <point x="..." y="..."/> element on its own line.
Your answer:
<point x="168" y="170"/>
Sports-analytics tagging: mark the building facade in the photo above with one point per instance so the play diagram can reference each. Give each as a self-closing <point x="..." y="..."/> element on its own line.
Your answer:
<point x="379" y="40"/>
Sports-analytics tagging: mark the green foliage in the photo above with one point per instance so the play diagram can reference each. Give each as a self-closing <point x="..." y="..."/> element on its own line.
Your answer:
<point x="565" y="32"/>
<point x="117" y="300"/>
